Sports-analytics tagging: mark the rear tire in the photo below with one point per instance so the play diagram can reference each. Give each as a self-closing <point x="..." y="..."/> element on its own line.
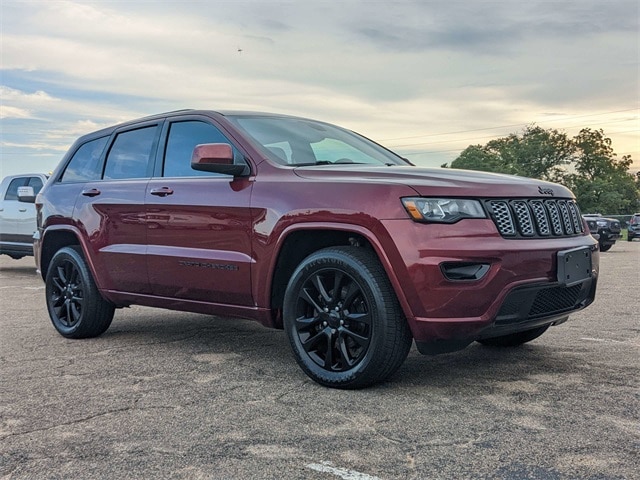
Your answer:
<point x="76" y="308"/>
<point x="343" y="320"/>
<point x="514" y="339"/>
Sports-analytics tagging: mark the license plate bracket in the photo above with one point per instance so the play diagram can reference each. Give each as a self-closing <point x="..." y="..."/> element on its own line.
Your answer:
<point x="574" y="266"/>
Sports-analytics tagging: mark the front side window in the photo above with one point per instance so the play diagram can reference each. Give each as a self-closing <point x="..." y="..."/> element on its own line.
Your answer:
<point x="12" y="191"/>
<point x="85" y="164"/>
<point x="36" y="183"/>
<point x="183" y="138"/>
<point x="130" y="154"/>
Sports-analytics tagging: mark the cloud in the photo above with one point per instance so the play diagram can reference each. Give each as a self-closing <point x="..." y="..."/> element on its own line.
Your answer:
<point x="7" y="111"/>
<point x="388" y="69"/>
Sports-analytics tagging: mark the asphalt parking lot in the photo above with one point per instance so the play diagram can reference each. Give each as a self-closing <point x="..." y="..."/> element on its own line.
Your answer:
<point x="172" y="395"/>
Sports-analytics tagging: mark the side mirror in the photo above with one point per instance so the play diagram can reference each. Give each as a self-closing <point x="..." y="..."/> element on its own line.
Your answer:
<point x="26" y="195"/>
<point x="216" y="158"/>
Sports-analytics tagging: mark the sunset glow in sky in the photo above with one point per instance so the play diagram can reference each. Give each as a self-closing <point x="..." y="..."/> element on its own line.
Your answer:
<point x="424" y="78"/>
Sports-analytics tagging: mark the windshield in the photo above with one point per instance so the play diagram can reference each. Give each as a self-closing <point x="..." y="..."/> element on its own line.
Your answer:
<point x="299" y="142"/>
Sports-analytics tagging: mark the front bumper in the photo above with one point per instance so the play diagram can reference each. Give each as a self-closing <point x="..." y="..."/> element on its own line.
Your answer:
<point x="608" y="237"/>
<point x="519" y="291"/>
<point x="633" y="233"/>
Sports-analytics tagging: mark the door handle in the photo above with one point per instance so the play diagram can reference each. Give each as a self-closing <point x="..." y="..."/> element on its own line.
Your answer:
<point x="92" y="192"/>
<point x="161" y="192"/>
<point x="22" y="209"/>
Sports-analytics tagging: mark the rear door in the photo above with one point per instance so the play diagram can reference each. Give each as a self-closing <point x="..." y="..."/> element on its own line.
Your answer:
<point x="199" y="223"/>
<point x="110" y="210"/>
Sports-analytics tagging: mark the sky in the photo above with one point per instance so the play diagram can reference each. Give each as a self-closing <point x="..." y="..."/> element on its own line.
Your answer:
<point x="424" y="78"/>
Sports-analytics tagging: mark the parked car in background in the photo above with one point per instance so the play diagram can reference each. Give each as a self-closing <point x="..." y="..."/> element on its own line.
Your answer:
<point x="18" y="215"/>
<point x="607" y="229"/>
<point x="593" y="227"/>
<point x="633" y="229"/>
<point x="306" y="226"/>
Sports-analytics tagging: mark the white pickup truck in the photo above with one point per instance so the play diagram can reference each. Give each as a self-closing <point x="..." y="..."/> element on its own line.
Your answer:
<point x="18" y="213"/>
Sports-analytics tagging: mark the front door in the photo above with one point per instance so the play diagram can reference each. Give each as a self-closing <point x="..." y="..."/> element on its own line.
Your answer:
<point x="199" y="223"/>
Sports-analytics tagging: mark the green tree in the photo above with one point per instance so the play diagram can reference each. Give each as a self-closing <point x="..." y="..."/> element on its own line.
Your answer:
<point x="602" y="182"/>
<point x="585" y="163"/>
<point x="536" y="153"/>
<point x="543" y="154"/>
<point x="484" y="158"/>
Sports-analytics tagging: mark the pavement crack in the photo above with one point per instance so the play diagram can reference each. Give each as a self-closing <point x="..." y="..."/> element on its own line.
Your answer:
<point x="82" y="420"/>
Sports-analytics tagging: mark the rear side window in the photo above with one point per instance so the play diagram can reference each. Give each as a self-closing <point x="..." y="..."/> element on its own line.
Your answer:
<point x="85" y="164"/>
<point x="130" y="154"/>
<point x="182" y="139"/>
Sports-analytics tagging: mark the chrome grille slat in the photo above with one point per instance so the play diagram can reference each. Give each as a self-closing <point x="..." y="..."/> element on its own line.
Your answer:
<point x="552" y="208"/>
<point x="566" y="219"/>
<point x="540" y="215"/>
<point x="523" y="218"/>
<point x="578" y="226"/>
<point x="535" y="218"/>
<point x="503" y="218"/>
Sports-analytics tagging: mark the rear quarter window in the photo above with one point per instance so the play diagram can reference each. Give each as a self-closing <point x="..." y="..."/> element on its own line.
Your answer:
<point x="85" y="164"/>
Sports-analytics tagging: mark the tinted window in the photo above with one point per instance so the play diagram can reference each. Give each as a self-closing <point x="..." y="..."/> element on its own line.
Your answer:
<point x="12" y="191"/>
<point x="85" y="164"/>
<point x="183" y="137"/>
<point x="297" y="141"/>
<point x="36" y="183"/>
<point x="129" y="156"/>
<point x="336" y="151"/>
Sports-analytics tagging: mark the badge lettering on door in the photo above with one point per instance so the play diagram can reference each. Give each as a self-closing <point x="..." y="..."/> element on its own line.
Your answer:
<point x="214" y="266"/>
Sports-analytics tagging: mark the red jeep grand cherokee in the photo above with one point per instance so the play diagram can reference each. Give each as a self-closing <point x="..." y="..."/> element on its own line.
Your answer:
<point x="309" y="227"/>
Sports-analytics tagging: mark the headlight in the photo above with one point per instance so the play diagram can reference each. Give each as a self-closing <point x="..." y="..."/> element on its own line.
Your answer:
<point x="442" y="210"/>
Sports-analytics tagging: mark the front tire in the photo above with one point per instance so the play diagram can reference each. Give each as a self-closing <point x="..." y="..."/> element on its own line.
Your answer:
<point x="514" y="339"/>
<point x="605" y="248"/>
<point x="76" y="308"/>
<point x="343" y="320"/>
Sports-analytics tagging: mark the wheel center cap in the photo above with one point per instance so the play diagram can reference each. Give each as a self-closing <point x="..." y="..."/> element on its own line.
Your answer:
<point x="332" y="319"/>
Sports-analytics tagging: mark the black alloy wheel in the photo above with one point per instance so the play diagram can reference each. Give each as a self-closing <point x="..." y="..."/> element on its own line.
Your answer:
<point x="76" y="308"/>
<point x="333" y="322"/>
<point x="343" y="320"/>
<point x="67" y="295"/>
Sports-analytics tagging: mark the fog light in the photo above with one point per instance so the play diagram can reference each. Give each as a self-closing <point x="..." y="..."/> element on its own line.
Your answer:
<point x="460" y="271"/>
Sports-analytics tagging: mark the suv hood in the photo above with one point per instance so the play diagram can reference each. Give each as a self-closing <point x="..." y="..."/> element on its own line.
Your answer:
<point x="438" y="181"/>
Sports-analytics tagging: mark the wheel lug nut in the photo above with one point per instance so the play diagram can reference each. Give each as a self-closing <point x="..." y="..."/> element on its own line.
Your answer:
<point x="341" y="322"/>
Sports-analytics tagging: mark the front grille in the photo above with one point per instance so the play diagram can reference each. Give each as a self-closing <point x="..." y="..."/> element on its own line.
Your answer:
<point x="535" y="218"/>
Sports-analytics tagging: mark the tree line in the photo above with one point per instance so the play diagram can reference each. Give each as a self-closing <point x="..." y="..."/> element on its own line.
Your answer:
<point x="586" y="163"/>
